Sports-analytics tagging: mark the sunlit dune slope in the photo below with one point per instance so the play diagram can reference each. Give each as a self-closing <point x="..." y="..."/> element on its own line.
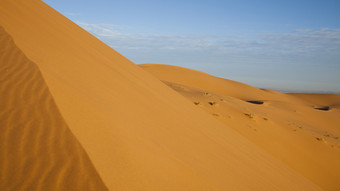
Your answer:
<point x="37" y="150"/>
<point x="301" y="130"/>
<point x="320" y="101"/>
<point x="204" y="81"/>
<point x="138" y="133"/>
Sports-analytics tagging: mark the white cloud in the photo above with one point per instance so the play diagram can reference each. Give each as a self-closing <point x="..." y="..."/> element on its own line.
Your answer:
<point x="305" y="55"/>
<point x="304" y="41"/>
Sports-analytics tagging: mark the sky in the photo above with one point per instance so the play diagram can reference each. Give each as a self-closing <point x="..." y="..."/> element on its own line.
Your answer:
<point x="291" y="45"/>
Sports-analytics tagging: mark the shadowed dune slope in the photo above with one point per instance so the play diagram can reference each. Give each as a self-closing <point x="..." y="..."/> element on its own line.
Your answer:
<point x="301" y="130"/>
<point x="37" y="150"/>
<point x="138" y="133"/>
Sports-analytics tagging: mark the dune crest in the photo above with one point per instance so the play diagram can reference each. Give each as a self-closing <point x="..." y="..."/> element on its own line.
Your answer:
<point x="207" y="82"/>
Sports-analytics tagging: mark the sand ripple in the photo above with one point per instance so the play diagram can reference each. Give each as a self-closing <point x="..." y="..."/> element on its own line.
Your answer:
<point x="37" y="150"/>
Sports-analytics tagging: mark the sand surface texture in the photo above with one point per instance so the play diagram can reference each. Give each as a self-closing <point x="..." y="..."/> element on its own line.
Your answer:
<point x="77" y="114"/>
<point x="37" y="149"/>
<point x="301" y="130"/>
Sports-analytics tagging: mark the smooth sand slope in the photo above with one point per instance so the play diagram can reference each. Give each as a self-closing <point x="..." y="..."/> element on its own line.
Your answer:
<point x="201" y="80"/>
<point x="37" y="150"/>
<point x="138" y="133"/>
<point x="302" y="130"/>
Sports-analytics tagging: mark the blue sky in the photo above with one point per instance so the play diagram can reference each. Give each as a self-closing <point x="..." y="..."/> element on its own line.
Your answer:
<point x="289" y="45"/>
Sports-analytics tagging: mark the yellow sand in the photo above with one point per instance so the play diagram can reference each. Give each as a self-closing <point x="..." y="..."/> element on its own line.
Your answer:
<point x="135" y="133"/>
<point x="288" y="126"/>
<point x="37" y="149"/>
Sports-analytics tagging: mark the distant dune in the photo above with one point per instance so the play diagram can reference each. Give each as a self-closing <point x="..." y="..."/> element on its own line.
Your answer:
<point x="77" y="115"/>
<point x="301" y="130"/>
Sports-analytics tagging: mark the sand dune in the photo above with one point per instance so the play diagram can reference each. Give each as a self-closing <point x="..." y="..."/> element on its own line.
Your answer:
<point x="295" y="128"/>
<point x="204" y="81"/>
<point x="138" y="133"/>
<point x="37" y="150"/>
<point x="320" y="101"/>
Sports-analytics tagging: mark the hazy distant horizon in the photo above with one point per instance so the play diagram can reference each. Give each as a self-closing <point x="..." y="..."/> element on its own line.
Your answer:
<point x="290" y="44"/>
<point x="304" y="91"/>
